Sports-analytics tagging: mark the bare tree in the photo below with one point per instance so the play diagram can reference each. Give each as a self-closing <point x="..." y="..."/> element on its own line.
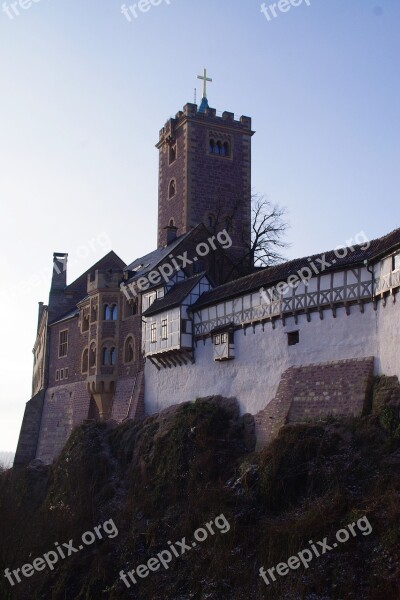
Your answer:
<point x="266" y="241"/>
<point x="268" y="228"/>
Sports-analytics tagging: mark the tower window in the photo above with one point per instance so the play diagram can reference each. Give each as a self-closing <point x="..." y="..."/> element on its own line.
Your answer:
<point x="129" y="352"/>
<point x="113" y="356"/>
<point x="130" y="307"/>
<point x="172" y="189"/>
<point x="85" y="323"/>
<point x="109" y="357"/>
<point x="104" y="356"/>
<point x="110" y="312"/>
<point x="92" y="355"/>
<point x="85" y="361"/>
<point x="93" y="313"/>
<point x="219" y="147"/>
<point x="63" y="344"/>
<point x="172" y="154"/>
<point x="114" y="312"/>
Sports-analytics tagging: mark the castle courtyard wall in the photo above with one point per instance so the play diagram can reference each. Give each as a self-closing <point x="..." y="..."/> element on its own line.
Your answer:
<point x="262" y="355"/>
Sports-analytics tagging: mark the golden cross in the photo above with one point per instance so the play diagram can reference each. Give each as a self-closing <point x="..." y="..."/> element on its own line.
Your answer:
<point x="204" y="78"/>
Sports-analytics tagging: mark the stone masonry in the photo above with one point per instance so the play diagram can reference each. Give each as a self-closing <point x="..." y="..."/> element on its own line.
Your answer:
<point x="315" y="391"/>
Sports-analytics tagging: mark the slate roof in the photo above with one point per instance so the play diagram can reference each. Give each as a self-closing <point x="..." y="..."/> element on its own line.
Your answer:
<point x="70" y="315"/>
<point x="175" y="296"/>
<point x="147" y="263"/>
<point x="272" y="275"/>
<point x="78" y="288"/>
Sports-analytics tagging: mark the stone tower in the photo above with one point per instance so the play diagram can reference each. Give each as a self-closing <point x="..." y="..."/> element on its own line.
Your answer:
<point x="205" y="174"/>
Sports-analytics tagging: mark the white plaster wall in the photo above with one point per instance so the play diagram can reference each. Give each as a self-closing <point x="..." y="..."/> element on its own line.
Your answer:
<point x="261" y="358"/>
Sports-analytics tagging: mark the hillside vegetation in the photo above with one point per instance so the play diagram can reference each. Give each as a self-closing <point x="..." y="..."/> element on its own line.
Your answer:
<point x="164" y="478"/>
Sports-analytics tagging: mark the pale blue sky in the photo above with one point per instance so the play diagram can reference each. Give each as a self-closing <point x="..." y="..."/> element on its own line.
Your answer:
<point x="84" y="93"/>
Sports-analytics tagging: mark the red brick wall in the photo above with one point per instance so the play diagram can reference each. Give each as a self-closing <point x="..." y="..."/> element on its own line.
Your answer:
<point x="205" y="181"/>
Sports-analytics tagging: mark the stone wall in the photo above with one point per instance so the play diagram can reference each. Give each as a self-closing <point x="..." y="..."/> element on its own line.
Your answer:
<point x="339" y="388"/>
<point x="29" y="435"/>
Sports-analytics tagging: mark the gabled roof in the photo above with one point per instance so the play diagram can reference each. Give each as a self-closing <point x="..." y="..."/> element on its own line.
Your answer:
<point x="147" y="263"/>
<point x="175" y="296"/>
<point x="270" y="276"/>
<point x="78" y="288"/>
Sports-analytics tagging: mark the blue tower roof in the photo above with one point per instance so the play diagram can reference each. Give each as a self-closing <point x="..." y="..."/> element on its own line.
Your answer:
<point x="203" y="105"/>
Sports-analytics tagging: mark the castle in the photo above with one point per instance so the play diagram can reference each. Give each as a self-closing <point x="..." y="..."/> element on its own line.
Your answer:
<point x="294" y="341"/>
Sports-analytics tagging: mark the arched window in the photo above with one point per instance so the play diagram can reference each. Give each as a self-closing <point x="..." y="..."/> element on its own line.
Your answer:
<point x="172" y="154"/>
<point x="85" y="323"/>
<point x="92" y="355"/>
<point x="130" y="307"/>
<point x="171" y="223"/>
<point x="129" y="350"/>
<point x="107" y="312"/>
<point x="222" y="152"/>
<point x="85" y="361"/>
<point x="172" y="188"/>
<point x="210" y="221"/>
<point x="105" y="359"/>
<point x="114" y="312"/>
<point x="218" y="148"/>
<point x="226" y="149"/>
<point x="212" y="146"/>
<point x="113" y="356"/>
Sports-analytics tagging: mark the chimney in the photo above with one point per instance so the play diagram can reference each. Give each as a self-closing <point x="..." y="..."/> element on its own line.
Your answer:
<point x="59" y="279"/>
<point x="171" y="233"/>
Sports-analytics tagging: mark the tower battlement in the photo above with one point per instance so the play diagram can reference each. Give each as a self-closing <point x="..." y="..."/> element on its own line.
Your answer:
<point x="192" y="111"/>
